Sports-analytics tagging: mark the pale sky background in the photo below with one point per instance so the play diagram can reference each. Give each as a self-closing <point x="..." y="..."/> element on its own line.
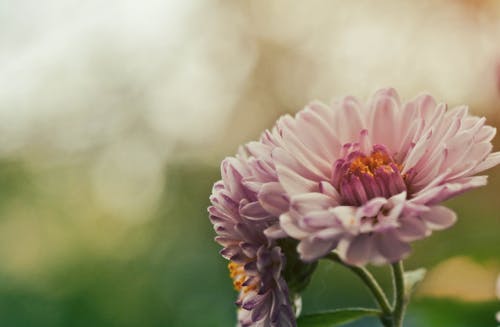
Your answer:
<point x="76" y="75"/>
<point x="126" y="86"/>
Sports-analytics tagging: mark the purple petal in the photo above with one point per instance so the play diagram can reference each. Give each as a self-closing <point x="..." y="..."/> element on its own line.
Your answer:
<point x="412" y="229"/>
<point x="251" y="302"/>
<point x="262" y="309"/>
<point x="275" y="232"/>
<point x="390" y="247"/>
<point x="249" y="249"/>
<point x="359" y="250"/>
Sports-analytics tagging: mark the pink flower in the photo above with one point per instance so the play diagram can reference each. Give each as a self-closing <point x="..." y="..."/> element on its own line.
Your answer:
<point x="256" y="264"/>
<point x="367" y="179"/>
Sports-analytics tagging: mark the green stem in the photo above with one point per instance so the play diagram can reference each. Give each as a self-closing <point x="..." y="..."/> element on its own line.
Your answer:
<point x="400" y="299"/>
<point x="372" y="284"/>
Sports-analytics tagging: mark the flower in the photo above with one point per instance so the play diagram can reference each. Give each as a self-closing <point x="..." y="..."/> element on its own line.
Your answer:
<point x="367" y="179"/>
<point x="256" y="264"/>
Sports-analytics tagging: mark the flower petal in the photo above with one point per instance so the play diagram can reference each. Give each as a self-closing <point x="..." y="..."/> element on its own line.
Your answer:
<point x="412" y="229"/>
<point x="273" y="198"/>
<point x="390" y="246"/>
<point x="294" y="183"/>
<point x="359" y="250"/>
<point x="305" y="203"/>
<point x="289" y="225"/>
<point x="439" y="218"/>
<point x="312" y="249"/>
<point x="254" y="211"/>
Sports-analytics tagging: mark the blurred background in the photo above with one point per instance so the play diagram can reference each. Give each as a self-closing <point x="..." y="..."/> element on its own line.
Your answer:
<point x="115" y="115"/>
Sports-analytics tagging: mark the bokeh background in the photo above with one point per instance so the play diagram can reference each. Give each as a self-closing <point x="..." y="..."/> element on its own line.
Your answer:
<point x="114" y="116"/>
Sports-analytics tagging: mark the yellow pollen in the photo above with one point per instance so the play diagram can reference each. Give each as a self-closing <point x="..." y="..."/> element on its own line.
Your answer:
<point x="368" y="164"/>
<point x="239" y="277"/>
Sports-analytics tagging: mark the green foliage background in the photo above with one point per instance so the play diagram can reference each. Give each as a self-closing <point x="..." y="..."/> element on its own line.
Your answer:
<point x="95" y="271"/>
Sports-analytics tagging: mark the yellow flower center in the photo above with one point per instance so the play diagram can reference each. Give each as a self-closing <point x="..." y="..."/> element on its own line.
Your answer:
<point x="368" y="164"/>
<point x="238" y="275"/>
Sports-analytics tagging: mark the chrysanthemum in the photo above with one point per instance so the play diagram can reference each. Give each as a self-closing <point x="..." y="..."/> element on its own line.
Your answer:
<point x="367" y="179"/>
<point x="256" y="264"/>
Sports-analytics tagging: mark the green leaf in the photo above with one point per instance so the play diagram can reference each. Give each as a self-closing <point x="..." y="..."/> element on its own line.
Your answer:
<point x="297" y="273"/>
<point x="412" y="278"/>
<point x="335" y="317"/>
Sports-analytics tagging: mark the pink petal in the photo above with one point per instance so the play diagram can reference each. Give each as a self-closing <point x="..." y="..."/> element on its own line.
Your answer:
<point x="258" y="150"/>
<point x="281" y="157"/>
<point x="314" y="133"/>
<point x="331" y="233"/>
<point x="491" y="161"/>
<point x="254" y="211"/>
<point x="384" y="122"/>
<point x="408" y="125"/>
<point x="346" y="215"/>
<point x="416" y="154"/>
<point x="348" y="111"/>
<point x="328" y="189"/>
<point x="486" y="134"/>
<point x="458" y="187"/>
<point x="439" y="218"/>
<point x="289" y="225"/>
<point x="318" y="219"/>
<point x="430" y="170"/>
<point x="311" y="250"/>
<point x="308" y="202"/>
<point x="371" y="208"/>
<point x="273" y="198"/>
<point x="231" y="176"/>
<point x="294" y="183"/>
<point x="303" y="154"/>
<point x="252" y="185"/>
<point x="440" y="193"/>
<point x="322" y="119"/>
<point x="426" y="104"/>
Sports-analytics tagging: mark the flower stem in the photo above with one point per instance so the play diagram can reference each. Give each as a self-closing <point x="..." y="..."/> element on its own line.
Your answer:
<point x="373" y="285"/>
<point x="400" y="299"/>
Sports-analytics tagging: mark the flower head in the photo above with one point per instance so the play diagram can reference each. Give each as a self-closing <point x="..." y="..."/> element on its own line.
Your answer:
<point x="256" y="264"/>
<point x="367" y="179"/>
